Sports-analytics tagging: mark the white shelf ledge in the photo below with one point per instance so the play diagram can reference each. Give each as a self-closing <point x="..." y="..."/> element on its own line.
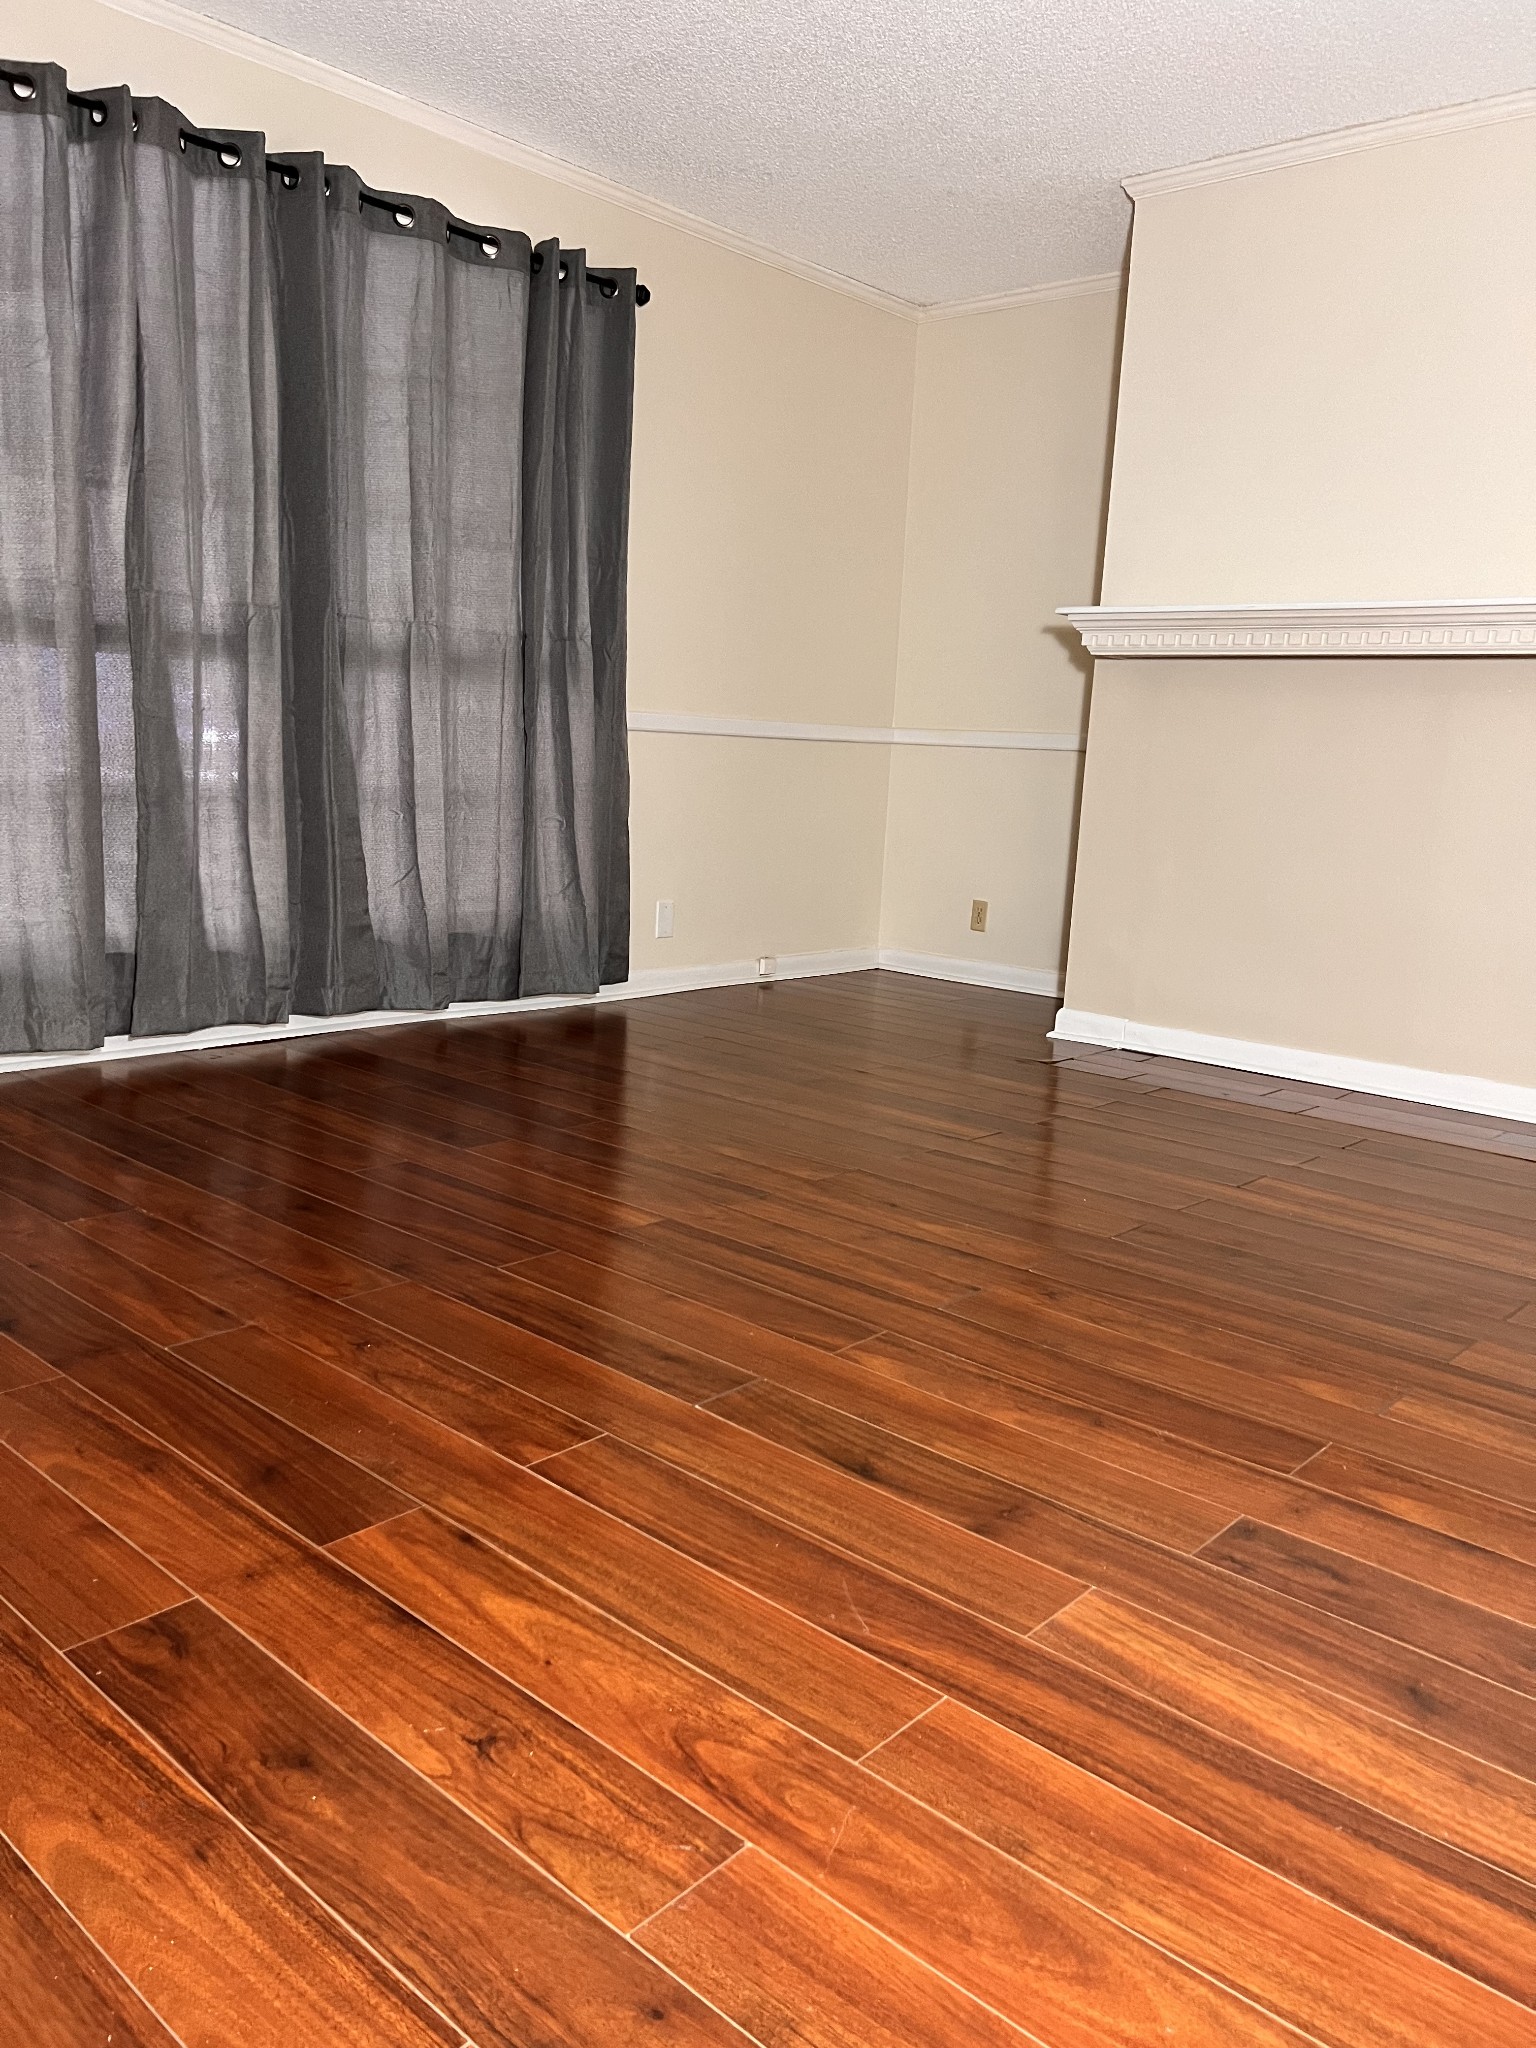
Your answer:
<point x="1454" y="626"/>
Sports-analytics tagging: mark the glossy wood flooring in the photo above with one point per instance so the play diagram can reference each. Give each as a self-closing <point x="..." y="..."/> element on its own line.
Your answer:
<point x="798" y="1515"/>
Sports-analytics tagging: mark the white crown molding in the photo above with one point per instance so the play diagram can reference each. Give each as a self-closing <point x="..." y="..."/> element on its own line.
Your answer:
<point x="1293" y="1063"/>
<point x="1026" y="295"/>
<point x="1307" y="149"/>
<point x="1460" y="626"/>
<point x="236" y="42"/>
<point x="707" y="726"/>
<point x="1024" y="981"/>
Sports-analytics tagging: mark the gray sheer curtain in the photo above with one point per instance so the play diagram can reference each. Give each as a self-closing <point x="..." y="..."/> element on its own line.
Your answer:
<point x="313" y="532"/>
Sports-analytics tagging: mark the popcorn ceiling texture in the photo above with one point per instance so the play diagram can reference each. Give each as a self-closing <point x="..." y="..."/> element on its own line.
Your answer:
<point x="938" y="149"/>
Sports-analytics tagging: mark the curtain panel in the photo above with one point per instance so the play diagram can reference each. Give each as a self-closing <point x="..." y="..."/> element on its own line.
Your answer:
<point x="313" y="538"/>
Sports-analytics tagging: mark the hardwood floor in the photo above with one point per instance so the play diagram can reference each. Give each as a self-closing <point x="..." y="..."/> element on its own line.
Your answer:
<point x="803" y="1515"/>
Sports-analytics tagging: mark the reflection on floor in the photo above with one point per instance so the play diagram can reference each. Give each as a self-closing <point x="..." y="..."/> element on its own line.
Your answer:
<point x="805" y="1511"/>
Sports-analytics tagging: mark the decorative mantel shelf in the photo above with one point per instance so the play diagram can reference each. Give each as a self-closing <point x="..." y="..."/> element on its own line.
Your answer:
<point x="1455" y="626"/>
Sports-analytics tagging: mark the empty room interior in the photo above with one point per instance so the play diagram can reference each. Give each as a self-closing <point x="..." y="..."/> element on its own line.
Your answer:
<point x="767" y="1024"/>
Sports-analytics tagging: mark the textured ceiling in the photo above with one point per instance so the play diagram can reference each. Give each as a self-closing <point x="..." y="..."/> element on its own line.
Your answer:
<point x="938" y="149"/>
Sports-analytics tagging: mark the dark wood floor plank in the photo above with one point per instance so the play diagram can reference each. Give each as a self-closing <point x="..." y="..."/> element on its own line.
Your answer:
<point x="1381" y="1600"/>
<point x="1428" y="1225"/>
<point x="778" y="1364"/>
<point x="1431" y="1503"/>
<point x="674" y="1367"/>
<point x="155" y="1307"/>
<point x="214" y="1218"/>
<point x="687" y="1347"/>
<point x="54" y="1323"/>
<point x="510" y="1958"/>
<point x="229" y="1948"/>
<point x="789" y="1966"/>
<point x="1492" y="1419"/>
<point x="49" y="1192"/>
<point x="982" y="1329"/>
<point x="342" y="1230"/>
<point x="600" y="1827"/>
<point x="467" y="1183"/>
<point x="1327" y="1230"/>
<point x="1411" y="1682"/>
<point x="1282" y="1815"/>
<point x="1093" y="1392"/>
<point x="60" y="1991"/>
<point x="1076" y="1982"/>
<point x="948" y="1560"/>
<point x="1324" y="1972"/>
<point x="64" y="1570"/>
<point x="1107" y="1319"/>
<point x="1180" y="1285"/>
<point x="336" y="1332"/>
<point x="830" y="1691"/>
<point x="745" y="1294"/>
<point x="605" y="1830"/>
<point x="207" y="1129"/>
<point x="297" y="1480"/>
<point x="1448" y="1795"/>
<point x="188" y="1522"/>
<point x="20" y="1367"/>
<point x="1117" y="1491"/>
<point x="914" y="1271"/>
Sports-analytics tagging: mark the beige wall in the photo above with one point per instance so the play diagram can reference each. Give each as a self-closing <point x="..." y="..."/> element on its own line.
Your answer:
<point x="1338" y="856"/>
<point x="1328" y="388"/>
<point x="803" y="826"/>
<point x="1010" y="448"/>
<point x="1327" y="393"/>
<point x="772" y="426"/>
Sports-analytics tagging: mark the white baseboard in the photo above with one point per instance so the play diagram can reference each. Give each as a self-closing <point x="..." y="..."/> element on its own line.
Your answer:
<point x="1024" y="981"/>
<point x="667" y="981"/>
<point x="648" y="981"/>
<point x="1292" y="1063"/>
<point x="653" y="981"/>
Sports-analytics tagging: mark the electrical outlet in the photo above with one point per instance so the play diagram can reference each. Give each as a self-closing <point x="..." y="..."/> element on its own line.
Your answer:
<point x="979" y="915"/>
<point x="663" y="917"/>
<point x="767" y="966"/>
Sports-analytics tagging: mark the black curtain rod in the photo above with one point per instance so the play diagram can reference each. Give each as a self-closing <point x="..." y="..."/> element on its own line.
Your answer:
<point x="23" y="85"/>
<point x="405" y="217"/>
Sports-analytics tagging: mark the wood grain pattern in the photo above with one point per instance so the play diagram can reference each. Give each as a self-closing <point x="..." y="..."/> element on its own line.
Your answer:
<point x="787" y="1966"/>
<point x="67" y="1572"/>
<point x="1265" y="1938"/>
<point x="60" y="1990"/>
<point x="224" y="1945"/>
<point x="808" y="1515"/>
<point x="293" y="1477"/>
<point x="509" y="1957"/>
<point x="1079" y="1979"/>
<point x="1442" y="1791"/>
<point x="611" y="1834"/>
<point x="832" y="1692"/>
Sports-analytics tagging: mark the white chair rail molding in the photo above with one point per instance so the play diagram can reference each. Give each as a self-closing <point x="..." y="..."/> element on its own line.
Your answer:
<point x="1472" y="626"/>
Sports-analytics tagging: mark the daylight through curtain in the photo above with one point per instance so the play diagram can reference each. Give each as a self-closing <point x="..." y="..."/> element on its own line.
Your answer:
<point x="313" y="531"/>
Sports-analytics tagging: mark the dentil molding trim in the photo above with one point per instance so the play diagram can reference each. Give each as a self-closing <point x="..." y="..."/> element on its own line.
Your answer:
<point x="1453" y="626"/>
<point x="1508" y="1100"/>
<point x="707" y="726"/>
